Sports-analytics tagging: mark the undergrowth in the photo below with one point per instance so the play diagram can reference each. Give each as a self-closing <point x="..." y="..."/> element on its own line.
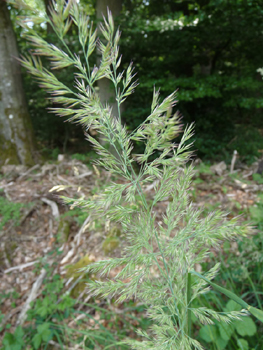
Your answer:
<point x="9" y="212"/>
<point x="46" y="322"/>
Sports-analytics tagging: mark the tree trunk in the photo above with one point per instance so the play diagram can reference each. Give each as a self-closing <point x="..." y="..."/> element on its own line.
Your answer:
<point x="16" y="133"/>
<point x="47" y="7"/>
<point x="106" y="92"/>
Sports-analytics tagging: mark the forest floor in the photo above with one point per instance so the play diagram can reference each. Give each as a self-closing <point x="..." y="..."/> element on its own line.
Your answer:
<point x="43" y="240"/>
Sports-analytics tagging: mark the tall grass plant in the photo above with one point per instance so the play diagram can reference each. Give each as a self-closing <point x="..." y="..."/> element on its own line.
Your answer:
<point x="157" y="266"/>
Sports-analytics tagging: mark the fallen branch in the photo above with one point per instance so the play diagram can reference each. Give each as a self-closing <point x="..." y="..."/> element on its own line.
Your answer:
<point x="82" y="229"/>
<point x="9" y="315"/>
<point x="53" y="205"/>
<point x="57" y="345"/>
<point x="28" y="212"/>
<point x="27" y="172"/>
<point x="7" y="185"/>
<point x="7" y="195"/>
<point x="79" y="317"/>
<point x="32" y="296"/>
<point x="21" y="267"/>
<point x="248" y="174"/>
<point x="71" y="287"/>
<point x="84" y="175"/>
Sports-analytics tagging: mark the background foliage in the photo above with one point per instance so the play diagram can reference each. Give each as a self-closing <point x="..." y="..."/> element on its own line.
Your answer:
<point x="210" y="50"/>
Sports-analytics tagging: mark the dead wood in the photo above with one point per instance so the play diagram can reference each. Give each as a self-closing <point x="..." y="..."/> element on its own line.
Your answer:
<point x="32" y="296"/>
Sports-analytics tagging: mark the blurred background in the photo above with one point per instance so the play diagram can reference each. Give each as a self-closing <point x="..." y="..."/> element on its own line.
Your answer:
<point x="209" y="50"/>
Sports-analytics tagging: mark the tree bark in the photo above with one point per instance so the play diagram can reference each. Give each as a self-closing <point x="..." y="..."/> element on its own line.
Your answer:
<point x="106" y="92"/>
<point x="16" y="132"/>
<point x="48" y="4"/>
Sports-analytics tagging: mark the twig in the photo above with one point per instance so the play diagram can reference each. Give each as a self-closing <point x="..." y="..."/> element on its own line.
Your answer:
<point x="247" y="175"/>
<point x="4" y="254"/>
<point x="57" y="345"/>
<point x="27" y="172"/>
<point x="125" y="310"/>
<point x="33" y="294"/>
<point x="21" y="267"/>
<point x="233" y="161"/>
<point x="7" y="185"/>
<point x="84" y="175"/>
<point x="7" y="195"/>
<point x="82" y="229"/>
<point x="81" y="295"/>
<point x="66" y="181"/>
<point x="79" y="317"/>
<point x="53" y="205"/>
<point x="71" y="287"/>
<point x="151" y="186"/>
<point x="28" y="212"/>
<point x="88" y="297"/>
<point x="9" y="315"/>
<point x="51" y="228"/>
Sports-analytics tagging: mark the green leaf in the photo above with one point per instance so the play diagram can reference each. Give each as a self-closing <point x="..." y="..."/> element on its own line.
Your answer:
<point x="232" y="306"/>
<point x="208" y="333"/>
<point x="46" y="335"/>
<point x="243" y="344"/>
<point x="44" y="332"/>
<point x="221" y="343"/>
<point x="14" y="341"/>
<point x="225" y="291"/>
<point x="42" y="311"/>
<point x="19" y="333"/>
<point x="37" y="339"/>
<point x="8" y="340"/>
<point x="245" y="327"/>
<point x="256" y="312"/>
<point x="43" y="327"/>
<point x="226" y="330"/>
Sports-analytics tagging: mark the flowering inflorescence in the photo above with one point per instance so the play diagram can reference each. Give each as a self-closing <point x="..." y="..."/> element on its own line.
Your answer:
<point x="158" y="258"/>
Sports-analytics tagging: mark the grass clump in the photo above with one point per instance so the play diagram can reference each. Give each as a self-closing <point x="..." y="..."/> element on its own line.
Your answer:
<point x="158" y="263"/>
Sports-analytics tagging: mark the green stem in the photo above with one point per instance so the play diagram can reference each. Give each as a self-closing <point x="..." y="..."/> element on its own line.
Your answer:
<point x="189" y="295"/>
<point x="253" y="310"/>
<point x="255" y="291"/>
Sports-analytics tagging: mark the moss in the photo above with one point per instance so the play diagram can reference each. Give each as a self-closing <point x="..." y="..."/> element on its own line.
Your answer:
<point x="115" y="231"/>
<point x="78" y="289"/>
<point x="29" y="140"/>
<point x="10" y="247"/>
<point x="63" y="231"/>
<point x="73" y="272"/>
<point x="110" y="244"/>
<point x="8" y="153"/>
<point x="2" y="260"/>
<point x="9" y="148"/>
<point x="112" y="240"/>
